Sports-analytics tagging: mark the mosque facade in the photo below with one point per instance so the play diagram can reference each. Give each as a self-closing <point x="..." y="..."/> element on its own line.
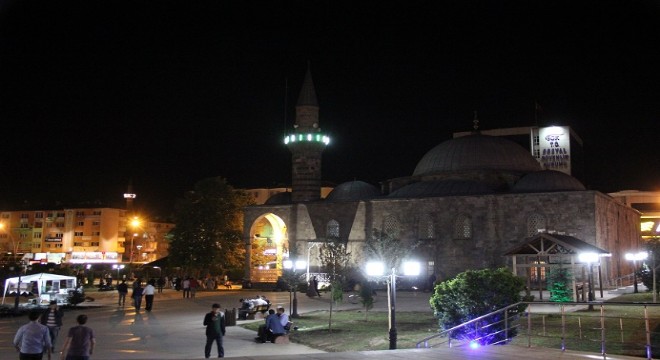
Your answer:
<point x="468" y="202"/>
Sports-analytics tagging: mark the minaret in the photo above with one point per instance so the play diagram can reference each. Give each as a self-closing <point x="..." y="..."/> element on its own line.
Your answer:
<point x="306" y="143"/>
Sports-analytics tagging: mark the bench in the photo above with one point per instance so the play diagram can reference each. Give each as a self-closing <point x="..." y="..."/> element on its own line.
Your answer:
<point x="282" y="339"/>
<point x="263" y="309"/>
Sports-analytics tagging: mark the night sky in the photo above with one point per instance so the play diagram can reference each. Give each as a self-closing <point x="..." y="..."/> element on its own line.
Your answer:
<point x="94" y="94"/>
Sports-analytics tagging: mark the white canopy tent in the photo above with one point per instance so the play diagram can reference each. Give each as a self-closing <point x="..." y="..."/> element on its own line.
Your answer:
<point x="45" y="286"/>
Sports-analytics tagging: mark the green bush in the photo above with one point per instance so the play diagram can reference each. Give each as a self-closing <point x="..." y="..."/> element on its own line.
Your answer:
<point x="474" y="293"/>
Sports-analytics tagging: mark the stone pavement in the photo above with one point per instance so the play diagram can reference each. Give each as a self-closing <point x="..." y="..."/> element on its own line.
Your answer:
<point x="173" y="330"/>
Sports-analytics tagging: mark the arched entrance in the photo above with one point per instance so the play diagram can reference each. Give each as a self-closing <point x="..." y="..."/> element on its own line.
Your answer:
<point x="270" y="245"/>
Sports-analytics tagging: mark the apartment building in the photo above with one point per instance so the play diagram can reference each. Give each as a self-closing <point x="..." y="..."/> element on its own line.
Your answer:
<point x="81" y="235"/>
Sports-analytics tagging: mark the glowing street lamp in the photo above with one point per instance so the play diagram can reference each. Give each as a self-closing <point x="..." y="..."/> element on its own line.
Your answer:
<point x="634" y="257"/>
<point x="294" y="265"/>
<point x="118" y="267"/>
<point x="378" y="269"/>
<point x="135" y="224"/>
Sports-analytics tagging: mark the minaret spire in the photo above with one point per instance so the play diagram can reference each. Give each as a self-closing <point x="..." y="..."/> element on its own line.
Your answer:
<point x="306" y="143"/>
<point x="308" y="93"/>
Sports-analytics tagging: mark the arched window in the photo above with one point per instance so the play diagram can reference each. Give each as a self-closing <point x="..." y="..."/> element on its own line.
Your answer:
<point x="535" y="222"/>
<point x="391" y="226"/>
<point x="463" y="227"/>
<point x="332" y="229"/>
<point x="426" y="227"/>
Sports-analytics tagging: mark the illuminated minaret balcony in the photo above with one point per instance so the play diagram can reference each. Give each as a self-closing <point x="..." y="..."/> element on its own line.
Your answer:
<point x="309" y="137"/>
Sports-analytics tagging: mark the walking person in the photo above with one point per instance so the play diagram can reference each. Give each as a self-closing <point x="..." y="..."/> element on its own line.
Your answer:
<point x="161" y="284"/>
<point x="122" y="290"/>
<point x="52" y="318"/>
<point x="33" y="339"/>
<point x="149" y="291"/>
<point x="215" y="330"/>
<point x="186" y="288"/>
<point x="79" y="344"/>
<point x="315" y="286"/>
<point x="194" y="285"/>
<point x="137" y="296"/>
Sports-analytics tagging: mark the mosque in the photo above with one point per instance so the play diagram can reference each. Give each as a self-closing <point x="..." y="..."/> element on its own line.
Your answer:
<point x="472" y="202"/>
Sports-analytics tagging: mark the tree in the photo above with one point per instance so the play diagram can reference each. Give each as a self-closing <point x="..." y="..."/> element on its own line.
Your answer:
<point x="335" y="258"/>
<point x="366" y="298"/>
<point x="385" y="247"/>
<point x="559" y="280"/>
<point x="646" y="271"/>
<point x="208" y="232"/>
<point x="472" y="294"/>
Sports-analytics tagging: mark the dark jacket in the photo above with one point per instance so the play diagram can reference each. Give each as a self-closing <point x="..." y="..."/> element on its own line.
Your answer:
<point x="58" y="316"/>
<point x="208" y="322"/>
<point x="122" y="288"/>
<point x="137" y="292"/>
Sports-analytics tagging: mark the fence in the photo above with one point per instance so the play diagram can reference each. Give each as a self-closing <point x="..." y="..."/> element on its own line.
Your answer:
<point x="614" y="328"/>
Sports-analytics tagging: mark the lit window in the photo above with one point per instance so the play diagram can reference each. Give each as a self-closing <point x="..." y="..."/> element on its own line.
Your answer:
<point x="647" y="226"/>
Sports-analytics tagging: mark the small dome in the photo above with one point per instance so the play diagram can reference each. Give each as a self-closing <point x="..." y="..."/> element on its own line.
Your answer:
<point x="283" y="198"/>
<point x="442" y="188"/>
<point x="547" y="180"/>
<point x="353" y="191"/>
<point x="477" y="152"/>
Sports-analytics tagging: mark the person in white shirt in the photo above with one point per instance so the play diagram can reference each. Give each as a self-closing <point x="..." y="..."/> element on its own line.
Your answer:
<point x="149" y="292"/>
<point x="259" y="301"/>
<point x="284" y="319"/>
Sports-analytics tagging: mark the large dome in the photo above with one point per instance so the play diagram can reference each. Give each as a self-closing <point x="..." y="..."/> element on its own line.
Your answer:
<point x="477" y="152"/>
<point x="547" y="180"/>
<point x="442" y="188"/>
<point x="353" y="191"/>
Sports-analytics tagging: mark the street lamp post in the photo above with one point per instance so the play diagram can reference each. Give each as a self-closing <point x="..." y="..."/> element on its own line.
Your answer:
<point x="642" y="255"/>
<point x="590" y="258"/>
<point x="118" y="267"/>
<point x="135" y="223"/>
<point x="378" y="269"/>
<point x="293" y="266"/>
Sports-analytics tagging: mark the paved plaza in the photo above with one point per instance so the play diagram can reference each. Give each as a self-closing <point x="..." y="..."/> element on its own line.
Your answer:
<point x="173" y="330"/>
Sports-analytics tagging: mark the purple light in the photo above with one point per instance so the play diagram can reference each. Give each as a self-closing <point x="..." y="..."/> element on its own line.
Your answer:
<point x="474" y="344"/>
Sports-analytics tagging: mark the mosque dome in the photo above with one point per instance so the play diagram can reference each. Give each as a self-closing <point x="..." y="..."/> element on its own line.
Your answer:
<point x="282" y="198"/>
<point x="477" y="152"/>
<point x="547" y="181"/>
<point x="353" y="191"/>
<point x="442" y="188"/>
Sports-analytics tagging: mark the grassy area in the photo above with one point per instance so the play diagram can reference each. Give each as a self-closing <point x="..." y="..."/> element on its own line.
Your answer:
<point x="626" y="333"/>
<point x="351" y="332"/>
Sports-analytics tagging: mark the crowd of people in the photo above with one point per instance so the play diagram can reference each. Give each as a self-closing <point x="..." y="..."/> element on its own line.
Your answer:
<point x="276" y="324"/>
<point x="38" y="337"/>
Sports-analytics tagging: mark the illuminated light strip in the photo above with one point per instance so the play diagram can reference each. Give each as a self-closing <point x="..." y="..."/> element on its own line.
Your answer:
<point x="307" y="137"/>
